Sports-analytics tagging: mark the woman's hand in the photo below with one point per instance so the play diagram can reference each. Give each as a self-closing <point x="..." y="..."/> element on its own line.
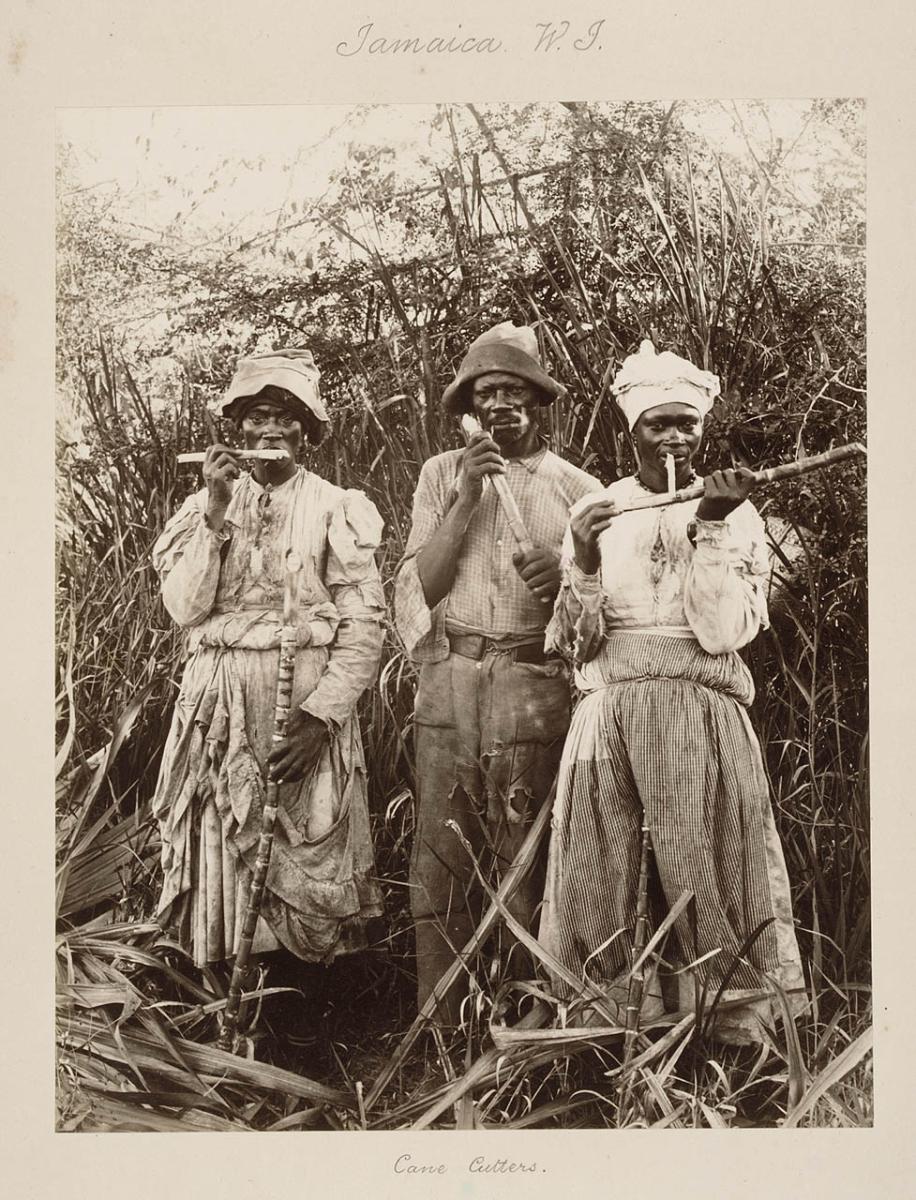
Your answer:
<point x="292" y="759"/>
<point x="541" y="572"/>
<point x="221" y="467"/>
<point x="586" y="527"/>
<point x="724" y="491"/>
<point x="481" y="458"/>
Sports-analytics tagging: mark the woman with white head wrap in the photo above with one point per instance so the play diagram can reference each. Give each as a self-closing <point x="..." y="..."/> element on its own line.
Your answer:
<point x="655" y="605"/>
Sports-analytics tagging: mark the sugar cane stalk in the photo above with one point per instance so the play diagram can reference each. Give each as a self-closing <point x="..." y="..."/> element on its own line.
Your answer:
<point x="792" y="470"/>
<point x="471" y="425"/>
<point x="288" y="646"/>
<point x="199" y="456"/>
<point x="637" y="983"/>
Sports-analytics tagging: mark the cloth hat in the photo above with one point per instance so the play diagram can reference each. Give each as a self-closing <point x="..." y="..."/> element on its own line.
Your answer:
<point x="505" y="347"/>
<point x="648" y="379"/>
<point x="292" y="370"/>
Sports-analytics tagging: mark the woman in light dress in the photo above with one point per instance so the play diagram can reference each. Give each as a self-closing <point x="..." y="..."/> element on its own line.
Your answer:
<point x="654" y="607"/>
<point x="222" y="562"/>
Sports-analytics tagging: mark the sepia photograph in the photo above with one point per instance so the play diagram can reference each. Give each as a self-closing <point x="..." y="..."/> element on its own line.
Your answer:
<point x="461" y="617"/>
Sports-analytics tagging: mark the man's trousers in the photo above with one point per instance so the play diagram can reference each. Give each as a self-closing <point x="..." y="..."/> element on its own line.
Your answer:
<point x="488" y="735"/>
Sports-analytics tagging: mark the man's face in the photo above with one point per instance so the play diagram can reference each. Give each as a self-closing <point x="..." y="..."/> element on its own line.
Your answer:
<point x="673" y="429"/>
<point x="506" y="406"/>
<point x="269" y="426"/>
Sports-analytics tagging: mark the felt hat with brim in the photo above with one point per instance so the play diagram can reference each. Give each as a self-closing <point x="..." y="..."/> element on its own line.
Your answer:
<point x="505" y="347"/>
<point x="292" y="370"/>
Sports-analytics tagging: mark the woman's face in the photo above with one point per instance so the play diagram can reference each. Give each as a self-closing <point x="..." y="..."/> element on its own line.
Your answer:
<point x="270" y="426"/>
<point x="674" y="429"/>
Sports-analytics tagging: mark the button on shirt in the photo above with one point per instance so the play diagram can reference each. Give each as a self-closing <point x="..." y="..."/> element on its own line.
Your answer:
<point x="487" y="596"/>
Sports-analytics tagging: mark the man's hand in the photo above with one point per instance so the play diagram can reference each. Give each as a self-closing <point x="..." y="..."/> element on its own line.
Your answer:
<point x="295" y="756"/>
<point x="541" y="572"/>
<point x="481" y="458"/>
<point x="586" y="527"/>
<point x="725" y="490"/>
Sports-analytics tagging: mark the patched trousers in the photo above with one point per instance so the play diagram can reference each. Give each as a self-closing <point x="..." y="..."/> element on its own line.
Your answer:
<point x="488" y="735"/>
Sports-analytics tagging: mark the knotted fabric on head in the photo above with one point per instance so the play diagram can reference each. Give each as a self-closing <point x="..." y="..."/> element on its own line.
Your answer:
<point x="646" y="380"/>
<point x="292" y="370"/>
<point x="505" y="347"/>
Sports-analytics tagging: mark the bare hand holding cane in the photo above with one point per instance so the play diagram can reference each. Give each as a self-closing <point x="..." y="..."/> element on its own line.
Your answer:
<point x="539" y="569"/>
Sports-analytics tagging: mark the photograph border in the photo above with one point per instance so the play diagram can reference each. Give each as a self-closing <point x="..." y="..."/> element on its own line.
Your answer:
<point x="281" y="54"/>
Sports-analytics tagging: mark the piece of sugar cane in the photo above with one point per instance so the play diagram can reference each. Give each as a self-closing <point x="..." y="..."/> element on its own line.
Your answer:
<point x="669" y="467"/>
<point x="471" y="425"/>
<point x="777" y="474"/>
<point x="199" y="456"/>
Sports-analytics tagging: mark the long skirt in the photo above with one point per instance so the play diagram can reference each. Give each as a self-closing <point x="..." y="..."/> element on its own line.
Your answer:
<point x="664" y="736"/>
<point x="320" y="888"/>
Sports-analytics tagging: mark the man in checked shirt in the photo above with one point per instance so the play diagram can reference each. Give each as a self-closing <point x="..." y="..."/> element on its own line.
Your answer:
<point x="492" y="709"/>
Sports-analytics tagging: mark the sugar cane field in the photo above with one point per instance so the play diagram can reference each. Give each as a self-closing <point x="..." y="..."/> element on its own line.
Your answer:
<point x="733" y="233"/>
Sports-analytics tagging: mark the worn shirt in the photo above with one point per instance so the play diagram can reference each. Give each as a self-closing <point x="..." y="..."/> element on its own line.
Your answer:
<point x="487" y="596"/>
<point x="226" y="588"/>
<point x="653" y="578"/>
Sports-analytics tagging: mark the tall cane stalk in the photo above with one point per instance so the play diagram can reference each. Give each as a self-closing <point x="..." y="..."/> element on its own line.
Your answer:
<point x="637" y="975"/>
<point x="778" y="474"/>
<point x="471" y="425"/>
<point x="288" y="645"/>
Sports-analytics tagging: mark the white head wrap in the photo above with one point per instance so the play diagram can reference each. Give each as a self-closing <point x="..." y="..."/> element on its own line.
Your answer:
<point x="647" y="379"/>
<point x="294" y="370"/>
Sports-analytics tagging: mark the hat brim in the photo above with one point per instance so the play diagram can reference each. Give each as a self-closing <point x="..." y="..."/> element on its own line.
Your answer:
<point x="498" y="357"/>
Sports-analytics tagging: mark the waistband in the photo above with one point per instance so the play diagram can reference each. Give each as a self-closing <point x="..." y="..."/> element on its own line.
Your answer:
<point x="257" y="627"/>
<point x="640" y="655"/>
<point x="669" y="631"/>
<point x="476" y="646"/>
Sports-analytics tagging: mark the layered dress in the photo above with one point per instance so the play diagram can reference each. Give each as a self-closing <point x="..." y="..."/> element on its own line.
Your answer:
<point x="661" y="733"/>
<point x="226" y="589"/>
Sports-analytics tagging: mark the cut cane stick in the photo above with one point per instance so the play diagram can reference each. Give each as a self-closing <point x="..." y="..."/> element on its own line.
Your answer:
<point x="289" y="641"/>
<point x="637" y="985"/>
<point x="670" y="472"/>
<point x="471" y="425"/>
<point x="778" y="474"/>
<point x="199" y="456"/>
